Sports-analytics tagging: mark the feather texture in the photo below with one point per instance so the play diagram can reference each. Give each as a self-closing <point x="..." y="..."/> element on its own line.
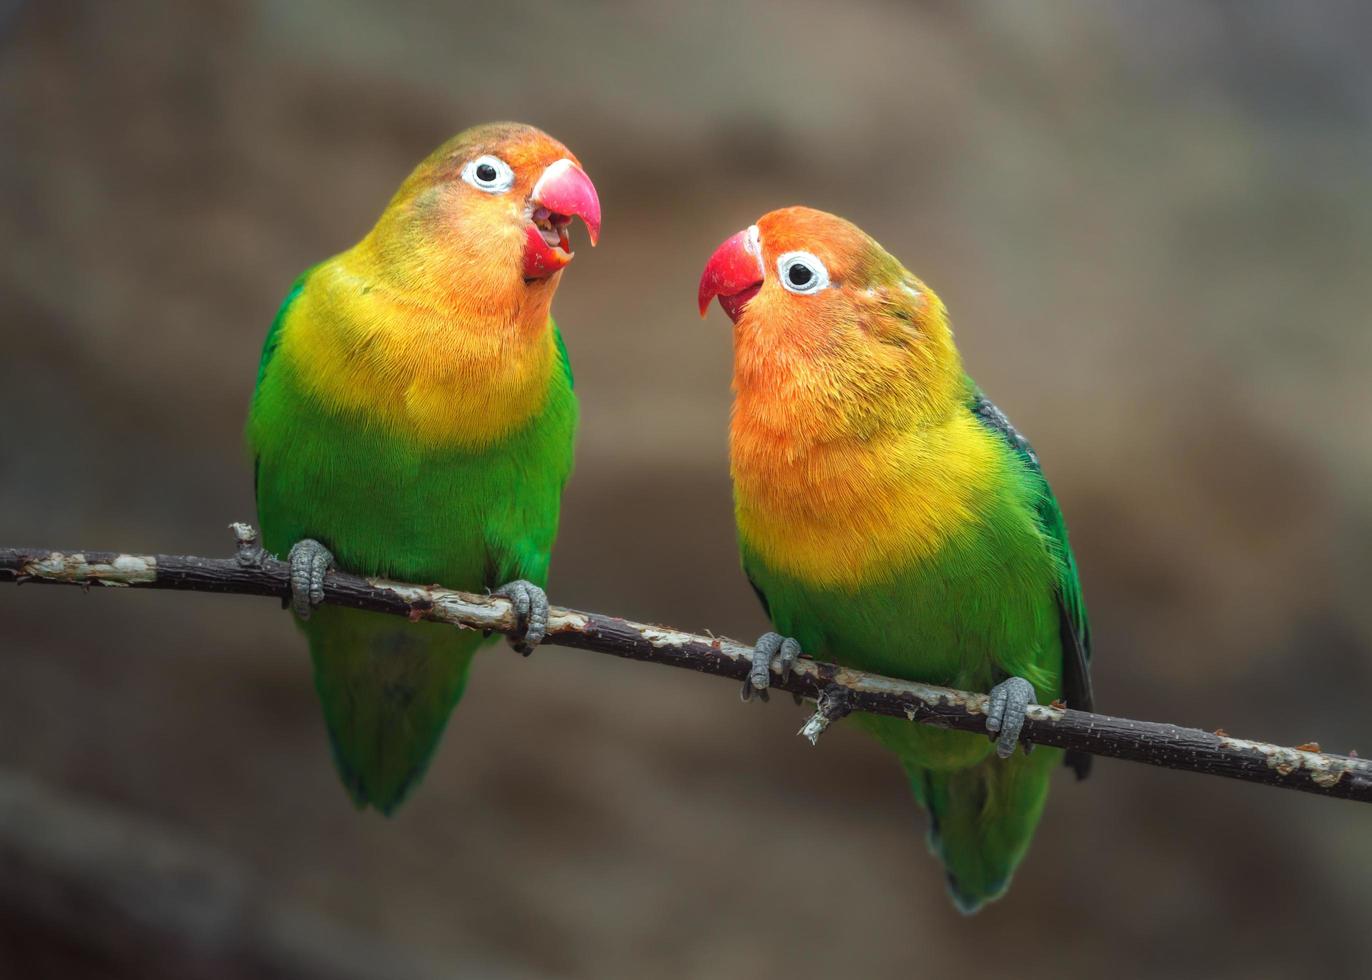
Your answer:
<point x="892" y="520"/>
<point x="414" y="414"/>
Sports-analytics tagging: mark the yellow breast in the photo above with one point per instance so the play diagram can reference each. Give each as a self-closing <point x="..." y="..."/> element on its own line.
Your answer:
<point x="840" y="513"/>
<point x="442" y="376"/>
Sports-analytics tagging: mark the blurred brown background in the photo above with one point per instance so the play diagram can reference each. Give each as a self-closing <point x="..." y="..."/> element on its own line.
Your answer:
<point x="1152" y="224"/>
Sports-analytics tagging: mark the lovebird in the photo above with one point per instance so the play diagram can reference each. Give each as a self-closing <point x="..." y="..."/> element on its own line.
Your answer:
<point x="891" y="519"/>
<point x="414" y="418"/>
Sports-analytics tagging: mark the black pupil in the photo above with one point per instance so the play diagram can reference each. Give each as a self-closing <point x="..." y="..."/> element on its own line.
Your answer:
<point x="485" y="172"/>
<point x="800" y="275"/>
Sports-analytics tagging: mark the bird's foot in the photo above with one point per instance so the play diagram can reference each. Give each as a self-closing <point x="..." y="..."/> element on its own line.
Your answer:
<point x="769" y="646"/>
<point x="1005" y="712"/>
<point x="531" y="612"/>
<point x="310" y="561"/>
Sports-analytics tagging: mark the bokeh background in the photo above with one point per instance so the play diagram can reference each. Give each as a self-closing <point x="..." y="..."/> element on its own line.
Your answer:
<point x="1152" y="223"/>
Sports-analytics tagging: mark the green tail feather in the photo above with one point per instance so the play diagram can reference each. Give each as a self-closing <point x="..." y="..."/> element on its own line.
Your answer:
<point x="982" y="818"/>
<point x="387" y="688"/>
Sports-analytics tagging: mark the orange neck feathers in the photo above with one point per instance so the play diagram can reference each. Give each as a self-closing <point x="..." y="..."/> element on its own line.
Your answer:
<point x="454" y="375"/>
<point x="848" y="452"/>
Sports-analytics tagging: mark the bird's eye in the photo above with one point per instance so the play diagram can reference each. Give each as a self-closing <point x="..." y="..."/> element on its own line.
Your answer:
<point x="802" y="273"/>
<point x="490" y="174"/>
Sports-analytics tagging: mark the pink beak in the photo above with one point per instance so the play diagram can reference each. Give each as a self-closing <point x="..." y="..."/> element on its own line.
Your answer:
<point x="565" y="191"/>
<point x="734" y="273"/>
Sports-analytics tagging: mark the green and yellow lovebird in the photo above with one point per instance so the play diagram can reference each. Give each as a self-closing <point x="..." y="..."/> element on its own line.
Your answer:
<point x="891" y="519"/>
<point x="414" y="418"/>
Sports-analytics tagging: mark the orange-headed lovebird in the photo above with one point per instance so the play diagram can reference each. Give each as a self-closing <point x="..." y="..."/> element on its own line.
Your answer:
<point x="414" y="418"/>
<point x="891" y="519"/>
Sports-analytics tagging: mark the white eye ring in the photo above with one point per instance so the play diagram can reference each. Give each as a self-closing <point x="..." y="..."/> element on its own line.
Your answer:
<point x="477" y="173"/>
<point x="793" y="261"/>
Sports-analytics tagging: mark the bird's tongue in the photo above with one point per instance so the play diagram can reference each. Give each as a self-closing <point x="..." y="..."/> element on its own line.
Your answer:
<point x="542" y="259"/>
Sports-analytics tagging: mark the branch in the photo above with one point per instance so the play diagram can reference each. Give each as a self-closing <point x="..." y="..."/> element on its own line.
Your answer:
<point x="837" y="689"/>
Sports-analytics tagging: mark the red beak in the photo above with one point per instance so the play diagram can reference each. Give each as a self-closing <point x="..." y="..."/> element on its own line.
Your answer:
<point x="562" y="192"/>
<point x="734" y="273"/>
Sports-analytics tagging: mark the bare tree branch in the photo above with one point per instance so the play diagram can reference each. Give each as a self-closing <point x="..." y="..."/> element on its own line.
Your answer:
<point x="252" y="572"/>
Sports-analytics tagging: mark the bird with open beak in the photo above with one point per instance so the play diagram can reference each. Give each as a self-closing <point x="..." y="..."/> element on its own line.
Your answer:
<point x="414" y="418"/>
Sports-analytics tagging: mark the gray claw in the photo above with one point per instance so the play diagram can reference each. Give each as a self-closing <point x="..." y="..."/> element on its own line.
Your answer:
<point x="790" y="653"/>
<point x="1005" y="712"/>
<point x="769" y="646"/>
<point x="310" y="561"/>
<point x="531" y="609"/>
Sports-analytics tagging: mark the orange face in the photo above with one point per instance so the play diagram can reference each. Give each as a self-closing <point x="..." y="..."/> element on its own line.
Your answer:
<point x="830" y="330"/>
<point x="797" y="263"/>
<point x="491" y="208"/>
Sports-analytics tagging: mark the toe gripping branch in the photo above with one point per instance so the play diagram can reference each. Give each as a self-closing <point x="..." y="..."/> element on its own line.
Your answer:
<point x="769" y="647"/>
<point x="310" y="561"/>
<point x="530" y="604"/>
<point x="1006" y="709"/>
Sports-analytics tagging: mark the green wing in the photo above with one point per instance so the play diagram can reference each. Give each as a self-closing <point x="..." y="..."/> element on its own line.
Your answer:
<point x="387" y="690"/>
<point x="562" y="357"/>
<point x="1075" y="628"/>
<point x="387" y="687"/>
<point x="274" y="332"/>
<point x="269" y="351"/>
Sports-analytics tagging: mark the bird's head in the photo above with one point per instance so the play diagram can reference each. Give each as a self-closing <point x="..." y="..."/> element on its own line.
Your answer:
<point x="488" y="214"/>
<point x="823" y="313"/>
